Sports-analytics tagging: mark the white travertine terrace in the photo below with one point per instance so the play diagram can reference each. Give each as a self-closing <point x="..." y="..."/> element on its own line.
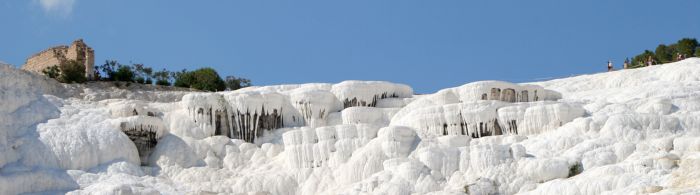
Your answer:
<point x="634" y="131"/>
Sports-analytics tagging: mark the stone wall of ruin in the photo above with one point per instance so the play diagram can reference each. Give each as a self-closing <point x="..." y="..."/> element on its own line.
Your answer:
<point x="90" y="64"/>
<point x="44" y="59"/>
<point x="78" y="51"/>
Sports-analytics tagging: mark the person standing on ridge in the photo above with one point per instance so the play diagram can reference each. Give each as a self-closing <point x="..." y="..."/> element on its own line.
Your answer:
<point x="626" y="64"/>
<point x="610" y="66"/>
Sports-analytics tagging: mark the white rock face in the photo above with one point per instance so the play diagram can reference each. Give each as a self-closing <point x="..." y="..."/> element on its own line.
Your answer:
<point x="368" y="93"/>
<point x="328" y="146"/>
<point x="624" y="132"/>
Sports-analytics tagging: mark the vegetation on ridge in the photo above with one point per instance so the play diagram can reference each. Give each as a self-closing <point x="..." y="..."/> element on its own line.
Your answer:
<point x="684" y="48"/>
<point x="69" y="71"/>
<point x="206" y="79"/>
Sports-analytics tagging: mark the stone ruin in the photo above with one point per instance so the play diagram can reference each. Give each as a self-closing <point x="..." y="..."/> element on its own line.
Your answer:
<point x="78" y="51"/>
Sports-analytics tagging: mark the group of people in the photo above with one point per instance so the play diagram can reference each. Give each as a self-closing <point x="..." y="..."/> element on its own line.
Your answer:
<point x="624" y="66"/>
<point x="650" y="61"/>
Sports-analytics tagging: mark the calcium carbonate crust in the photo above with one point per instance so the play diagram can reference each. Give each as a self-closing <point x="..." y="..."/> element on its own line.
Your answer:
<point x="623" y="132"/>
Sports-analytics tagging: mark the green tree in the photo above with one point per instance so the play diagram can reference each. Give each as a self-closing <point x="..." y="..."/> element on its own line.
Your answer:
<point x="233" y="83"/>
<point x="697" y="52"/>
<point x="72" y="72"/>
<point x="124" y="73"/>
<point x="686" y="46"/>
<point x="641" y="59"/>
<point x="203" y="79"/>
<point x="663" y="53"/>
<point x="109" y="68"/>
<point x="148" y="73"/>
<point x="139" y="75"/>
<point x="97" y="75"/>
<point x="182" y="77"/>
<point x="162" y="77"/>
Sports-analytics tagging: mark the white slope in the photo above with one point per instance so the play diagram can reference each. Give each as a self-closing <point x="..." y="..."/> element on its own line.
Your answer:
<point x="623" y="132"/>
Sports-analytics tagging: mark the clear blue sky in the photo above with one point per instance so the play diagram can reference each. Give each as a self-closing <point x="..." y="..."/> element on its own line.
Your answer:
<point x="427" y="44"/>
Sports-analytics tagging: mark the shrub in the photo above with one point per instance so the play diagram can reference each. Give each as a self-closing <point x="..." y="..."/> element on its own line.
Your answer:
<point x="686" y="46"/>
<point x="665" y="54"/>
<point x="124" y="73"/>
<point x="233" y="83"/>
<point x="206" y="79"/>
<point x="69" y="71"/>
<point x="162" y="77"/>
<point x="72" y="72"/>
<point x="109" y="69"/>
<point x="641" y="59"/>
<point x="203" y="79"/>
<point x="182" y="78"/>
<point x="52" y="72"/>
<point x="142" y="73"/>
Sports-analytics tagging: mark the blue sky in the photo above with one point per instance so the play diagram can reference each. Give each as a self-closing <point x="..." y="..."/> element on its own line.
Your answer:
<point x="429" y="45"/>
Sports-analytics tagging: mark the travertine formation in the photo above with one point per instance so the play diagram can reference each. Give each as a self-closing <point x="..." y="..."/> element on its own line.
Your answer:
<point x="624" y="132"/>
<point x="78" y="51"/>
<point x="144" y="131"/>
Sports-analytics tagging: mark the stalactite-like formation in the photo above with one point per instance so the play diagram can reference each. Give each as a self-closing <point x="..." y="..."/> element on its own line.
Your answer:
<point x="511" y="127"/>
<point x="240" y="116"/>
<point x="314" y="105"/>
<point x="327" y="146"/>
<point x="502" y="91"/>
<point x="247" y="126"/>
<point x="144" y="131"/>
<point x="473" y="110"/>
<point x="509" y="95"/>
<point x="307" y="112"/>
<point x="373" y="103"/>
<point x="222" y="123"/>
<point x="145" y="140"/>
<point x="367" y="93"/>
<point x="487" y="118"/>
<point x="466" y="126"/>
<point x="246" y="114"/>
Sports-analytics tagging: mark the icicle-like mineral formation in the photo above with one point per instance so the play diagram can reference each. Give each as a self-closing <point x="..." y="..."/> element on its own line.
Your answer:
<point x="327" y="146"/>
<point x="251" y="113"/>
<point x="315" y="105"/>
<point x="144" y="131"/>
<point x="536" y="117"/>
<point x="246" y="114"/>
<point x="367" y="93"/>
<point x="486" y="118"/>
<point x="487" y="108"/>
<point x="503" y="91"/>
<point x="476" y="119"/>
<point x="208" y="111"/>
<point x="241" y="115"/>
